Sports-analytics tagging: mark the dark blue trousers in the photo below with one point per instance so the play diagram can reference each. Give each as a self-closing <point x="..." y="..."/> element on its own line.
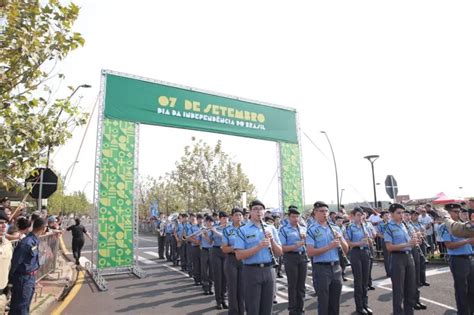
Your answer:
<point x="22" y="294"/>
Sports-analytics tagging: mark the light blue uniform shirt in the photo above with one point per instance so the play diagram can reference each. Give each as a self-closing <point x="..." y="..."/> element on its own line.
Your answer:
<point x="204" y="242"/>
<point x="180" y="230"/>
<point x="250" y="235"/>
<point x="194" y="229"/>
<point x="448" y="237"/>
<point x="289" y="235"/>
<point x="320" y="236"/>
<point x="310" y="222"/>
<point x="169" y="228"/>
<point x="397" y="234"/>
<point x="229" y="234"/>
<point x="355" y="233"/>
<point x="217" y="240"/>
<point x="381" y="227"/>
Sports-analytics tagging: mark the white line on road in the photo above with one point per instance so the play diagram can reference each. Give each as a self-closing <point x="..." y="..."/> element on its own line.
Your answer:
<point x="437" y="271"/>
<point x="148" y="240"/>
<point x="146" y="261"/>
<point x="426" y="300"/>
<point x="381" y="284"/>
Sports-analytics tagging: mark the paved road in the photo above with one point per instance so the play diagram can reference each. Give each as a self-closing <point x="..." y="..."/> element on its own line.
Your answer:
<point x="166" y="290"/>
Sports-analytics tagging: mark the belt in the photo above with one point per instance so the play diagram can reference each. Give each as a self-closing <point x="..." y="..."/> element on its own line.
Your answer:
<point x="295" y="253"/>
<point x="216" y="247"/>
<point x="360" y="248"/>
<point x="461" y="256"/>
<point x="260" y="265"/>
<point x="231" y="254"/>
<point x="328" y="263"/>
<point x="204" y="248"/>
<point x="405" y="252"/>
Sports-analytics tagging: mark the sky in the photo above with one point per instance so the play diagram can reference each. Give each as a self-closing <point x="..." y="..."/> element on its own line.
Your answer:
<point x="388" y="78"/>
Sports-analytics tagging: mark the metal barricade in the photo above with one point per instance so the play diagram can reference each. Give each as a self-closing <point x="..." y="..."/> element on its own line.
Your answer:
<point x="49" y="249"/>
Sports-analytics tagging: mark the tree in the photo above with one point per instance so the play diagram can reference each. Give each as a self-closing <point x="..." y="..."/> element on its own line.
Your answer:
<point x="206" y="178"/>
<point x="62" y="203"/>
<point x="163" y="191"/>
<point x="34" y="37"/>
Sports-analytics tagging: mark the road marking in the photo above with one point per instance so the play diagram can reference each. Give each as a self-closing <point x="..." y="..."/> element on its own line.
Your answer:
<point x="148" y="240"/>
<point x="426" y="300"/>
<point x="381" y="284"/>
<point x="74" y="291"/>
<point x="146" y="261"/>
<point x="437" y="271"/>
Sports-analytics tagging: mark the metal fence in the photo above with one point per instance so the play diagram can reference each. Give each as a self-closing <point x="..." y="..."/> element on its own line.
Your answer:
<point x="49" y="250"/>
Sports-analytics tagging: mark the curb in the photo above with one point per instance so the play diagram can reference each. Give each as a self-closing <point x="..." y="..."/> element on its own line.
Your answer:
<point x="64" y="299"/>
<point x="67" y="299"/>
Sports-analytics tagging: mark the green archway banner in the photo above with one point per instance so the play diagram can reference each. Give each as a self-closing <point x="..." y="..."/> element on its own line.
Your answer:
<point x="129" y="101"/>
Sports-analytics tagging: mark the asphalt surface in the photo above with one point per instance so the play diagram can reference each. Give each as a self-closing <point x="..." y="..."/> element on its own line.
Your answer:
<point x="167" y="290"/>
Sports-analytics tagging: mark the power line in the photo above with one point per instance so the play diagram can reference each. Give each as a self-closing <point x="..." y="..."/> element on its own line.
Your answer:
<point x="314" y="144"/>
<point x="269" y="184"/>
<point x="84" y="136"/>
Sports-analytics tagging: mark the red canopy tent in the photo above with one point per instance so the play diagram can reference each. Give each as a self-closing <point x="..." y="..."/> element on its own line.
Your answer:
<point x="442" y="199"/>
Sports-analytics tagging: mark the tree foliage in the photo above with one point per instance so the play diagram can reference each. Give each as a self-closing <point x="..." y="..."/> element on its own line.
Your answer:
<point x="34" y="37"/>
<point x="204" y="178"/>
<point x="62" y="203"/>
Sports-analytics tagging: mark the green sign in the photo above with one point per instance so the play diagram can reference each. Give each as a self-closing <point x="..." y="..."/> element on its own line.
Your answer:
<point x="292" y="189"/>
<point x="159" y="104"/>
<point x="115" y="239"/>
<point x="129" y="101"/>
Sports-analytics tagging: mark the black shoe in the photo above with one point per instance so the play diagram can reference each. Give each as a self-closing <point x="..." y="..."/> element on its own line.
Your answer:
<point x="210" y="292"/>
<point x="362" y="312"/>
<point x="421" y="306"/>
<point x="416" y="307"/>
<point x="275" y="302"/>
<point x="205" y="293"/>
<point x="368" y="310"/>
<point x="218" y="307"/>
<point x="279" y="275"/>
<point x="344" y="279"/>
<point x="161" y="257"/>
<point x="225" y="306"/>
<point x="371" y="288"/>
<point x="426" y="284"/>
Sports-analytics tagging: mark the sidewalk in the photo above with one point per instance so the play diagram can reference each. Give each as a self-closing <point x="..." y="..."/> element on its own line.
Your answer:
<point x="50" y="289"/>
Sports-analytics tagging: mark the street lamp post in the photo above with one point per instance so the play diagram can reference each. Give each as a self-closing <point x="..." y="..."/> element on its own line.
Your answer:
<point x="372" y="159"/>
<point x="335" y="170"/>
<point x="342" y="193"/>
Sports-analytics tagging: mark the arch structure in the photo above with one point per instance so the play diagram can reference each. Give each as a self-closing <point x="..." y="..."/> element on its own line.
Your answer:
<point x="126" y="101"/>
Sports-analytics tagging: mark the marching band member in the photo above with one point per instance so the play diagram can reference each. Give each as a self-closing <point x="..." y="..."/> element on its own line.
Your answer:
<point x="323" y="242"/>
<point x="195" y="250"/>
<point x="358" y="240"/>
<point x="402" y="266"/>
<point x="256" y="245"/>
<point x="206" y="245"/>
<point x="292" y="237"/>
<point x="461" y="263"/>
<point x="233" y="267"/>
<point x="217" y="261"/>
